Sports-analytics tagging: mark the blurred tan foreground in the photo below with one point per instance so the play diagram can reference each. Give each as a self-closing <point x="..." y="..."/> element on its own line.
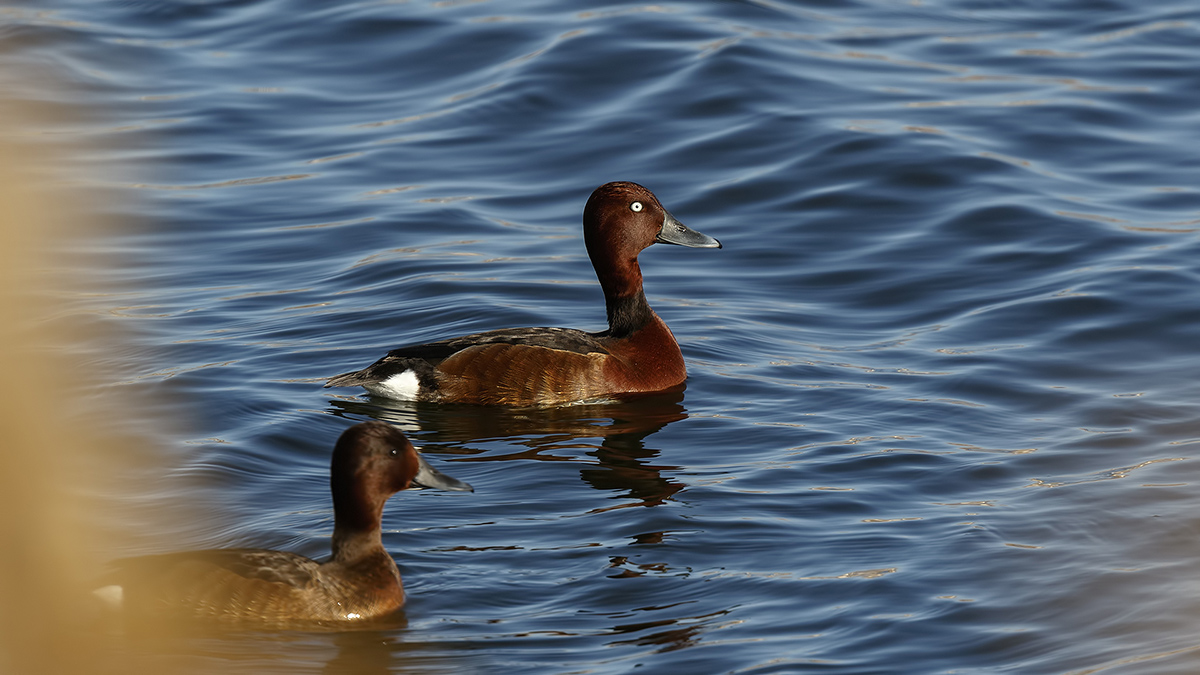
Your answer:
<point x="52" y="462"/>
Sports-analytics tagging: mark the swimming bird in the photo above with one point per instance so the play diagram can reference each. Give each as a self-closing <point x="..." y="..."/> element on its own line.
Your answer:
<point x="549" y="366"/>
<point x="360" y="581"/>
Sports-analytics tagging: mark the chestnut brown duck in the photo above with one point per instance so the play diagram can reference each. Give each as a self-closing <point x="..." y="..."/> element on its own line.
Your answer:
<point x="550" y="366"/>
<point x="359" y="582"/>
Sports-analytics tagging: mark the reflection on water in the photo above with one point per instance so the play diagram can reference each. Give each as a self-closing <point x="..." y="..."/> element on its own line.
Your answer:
<point x="369" y="653"/>
<point x="623" y="462"/>
<point x="679" y="633"/>
<point x="942" y="392"/>
<point x="197" y="649"/>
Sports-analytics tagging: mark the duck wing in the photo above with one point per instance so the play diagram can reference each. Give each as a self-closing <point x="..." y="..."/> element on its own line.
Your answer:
<point x="253" y="586"/>
<point x="542" y="344"/>
<point x="560" y="339"/>
<point x="226" y="584"/>
<point x="278" y="567"/>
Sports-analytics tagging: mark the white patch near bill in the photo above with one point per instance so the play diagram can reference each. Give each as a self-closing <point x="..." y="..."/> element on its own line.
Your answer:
<point x="113" y="596"/>
<point x="401" y="386"/>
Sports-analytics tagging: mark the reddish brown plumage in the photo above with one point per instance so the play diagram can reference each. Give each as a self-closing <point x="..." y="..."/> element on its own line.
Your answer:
<point x="548" y="366"/>
<point x="652" y="362"/>
<point x="517" y="374"/>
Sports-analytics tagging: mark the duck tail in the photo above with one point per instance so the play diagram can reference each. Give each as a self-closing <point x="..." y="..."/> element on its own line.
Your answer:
<point x="355" y="379"/>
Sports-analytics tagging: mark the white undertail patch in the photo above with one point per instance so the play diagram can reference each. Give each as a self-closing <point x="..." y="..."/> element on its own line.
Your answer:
<point x="402" y="386"/>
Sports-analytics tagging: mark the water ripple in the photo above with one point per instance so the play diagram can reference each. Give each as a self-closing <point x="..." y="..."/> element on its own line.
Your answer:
<point x="959" y="262"/>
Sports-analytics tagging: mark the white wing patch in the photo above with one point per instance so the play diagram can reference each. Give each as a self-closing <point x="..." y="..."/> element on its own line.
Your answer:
<point x="402" y="386"/>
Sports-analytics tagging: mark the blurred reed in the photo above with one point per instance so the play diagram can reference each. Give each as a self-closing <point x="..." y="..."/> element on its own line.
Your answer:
<point x="59" y="451"/>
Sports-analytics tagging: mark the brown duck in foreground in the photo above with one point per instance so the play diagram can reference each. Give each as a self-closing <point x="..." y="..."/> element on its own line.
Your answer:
<point x="360" y="581"/>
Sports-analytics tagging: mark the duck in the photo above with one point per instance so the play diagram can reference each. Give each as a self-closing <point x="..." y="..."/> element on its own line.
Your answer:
<point x="359" y="582"/>
<point x="546" y="366"/>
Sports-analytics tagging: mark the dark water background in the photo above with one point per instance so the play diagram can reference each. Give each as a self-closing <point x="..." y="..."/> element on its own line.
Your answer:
<point x="944" y="377"/>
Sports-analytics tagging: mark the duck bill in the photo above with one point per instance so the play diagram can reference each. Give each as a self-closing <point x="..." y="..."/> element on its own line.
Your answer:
<point x="675" y="232"/>
<point x="429" y="477"/>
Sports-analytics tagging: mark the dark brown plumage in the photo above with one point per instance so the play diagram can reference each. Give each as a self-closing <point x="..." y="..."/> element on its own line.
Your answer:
<point x="360" y="581"/>
<point x="548" y="366"/>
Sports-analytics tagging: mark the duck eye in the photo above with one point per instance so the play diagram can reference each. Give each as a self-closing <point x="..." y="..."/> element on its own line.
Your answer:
<point x="635" y="207"/>
<point x="394" y="452"/>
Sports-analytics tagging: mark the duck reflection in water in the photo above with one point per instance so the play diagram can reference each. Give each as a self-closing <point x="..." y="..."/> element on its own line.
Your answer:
<point x="623" y="460"/>
<point x="678" y="633"/>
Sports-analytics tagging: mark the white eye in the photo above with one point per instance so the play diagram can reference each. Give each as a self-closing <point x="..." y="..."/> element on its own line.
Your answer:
<point x="635" y="207"/>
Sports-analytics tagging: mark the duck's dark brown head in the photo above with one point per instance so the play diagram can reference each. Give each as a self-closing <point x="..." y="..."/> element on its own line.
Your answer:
<point x="622" y="218"/>
<point x="371" y="462"/>
<point x="619" y="221"/>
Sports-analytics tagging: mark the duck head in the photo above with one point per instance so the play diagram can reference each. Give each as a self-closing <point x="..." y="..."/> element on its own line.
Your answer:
<point x="624" y="218"/>
<point x="619" y="221"/>
<point x="371" y="462"/>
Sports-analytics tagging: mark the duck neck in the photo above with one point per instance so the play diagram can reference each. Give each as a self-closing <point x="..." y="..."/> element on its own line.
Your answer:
<point x="627" y="313"/>
<point x="356" y="528"/>
<point x="624" y="298"/>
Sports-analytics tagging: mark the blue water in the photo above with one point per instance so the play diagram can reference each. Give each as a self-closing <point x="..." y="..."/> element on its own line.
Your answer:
<point x="944" y="392"/>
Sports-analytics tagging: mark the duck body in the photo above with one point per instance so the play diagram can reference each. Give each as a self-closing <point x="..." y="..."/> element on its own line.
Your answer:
<point x="260" y="586"/>
<point x="360" y="580"/>
<point x="525" y="366"/>
<point x="550" y="366"/>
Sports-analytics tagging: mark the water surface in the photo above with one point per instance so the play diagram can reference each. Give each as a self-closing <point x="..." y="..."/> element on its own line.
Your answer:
<point x="942" y="404"/>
